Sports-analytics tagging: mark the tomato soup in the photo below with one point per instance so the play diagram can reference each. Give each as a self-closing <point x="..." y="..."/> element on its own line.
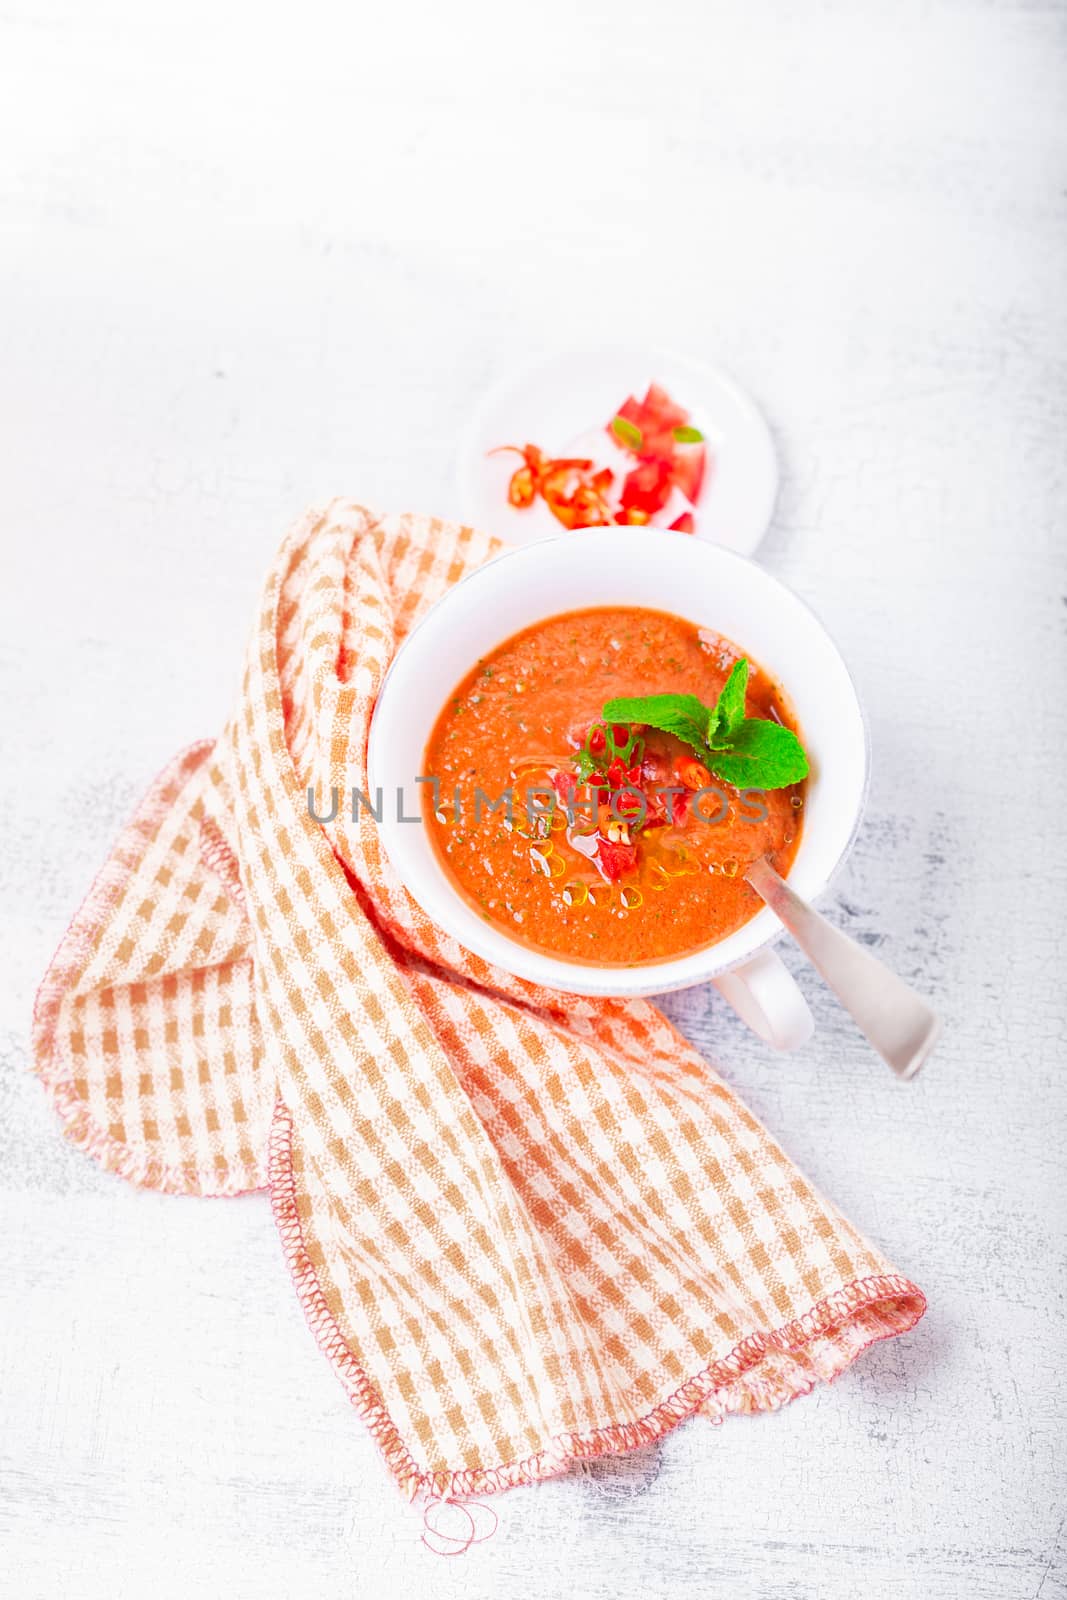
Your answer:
<point x="590" y="841"/>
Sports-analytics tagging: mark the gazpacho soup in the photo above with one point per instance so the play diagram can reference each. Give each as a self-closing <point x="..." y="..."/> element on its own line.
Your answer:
<point x="599" y="783"/>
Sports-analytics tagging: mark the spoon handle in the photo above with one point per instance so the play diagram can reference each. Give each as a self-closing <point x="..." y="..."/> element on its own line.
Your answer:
<point x="899" y="1023"/>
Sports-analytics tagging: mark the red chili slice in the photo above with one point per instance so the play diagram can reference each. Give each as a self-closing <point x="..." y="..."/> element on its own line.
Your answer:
<point x="570" y="494"/>
<point x="521" y="488"/>
<point x="693" y="773"/>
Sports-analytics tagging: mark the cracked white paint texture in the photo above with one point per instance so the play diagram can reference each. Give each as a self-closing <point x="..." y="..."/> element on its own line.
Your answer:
<point x="251" y="260"/>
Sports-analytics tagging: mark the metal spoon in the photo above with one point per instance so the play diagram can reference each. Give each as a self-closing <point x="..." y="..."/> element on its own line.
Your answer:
<point x="899" y="1023"/>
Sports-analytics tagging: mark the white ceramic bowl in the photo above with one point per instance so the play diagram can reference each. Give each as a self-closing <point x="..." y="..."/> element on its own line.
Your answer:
<point x="709" y="586"/>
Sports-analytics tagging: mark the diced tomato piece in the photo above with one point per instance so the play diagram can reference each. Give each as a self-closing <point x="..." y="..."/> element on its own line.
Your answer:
<point x="689" y="462"/>
<point x="615" y="858"/>
<point x="663" y="460"/>
<point x="657" y="815"/>
<point x="683" y="524"/>
<point x="562" y="781"/>
<point x="666" y="412"/>
<point x="647" y="488"/>
<point x="597" y="742"/>
<point x="632" y="411"/>
<point x="655" y="418"/>
<point x="617" y="773"/>
<point x="630" y="804"/>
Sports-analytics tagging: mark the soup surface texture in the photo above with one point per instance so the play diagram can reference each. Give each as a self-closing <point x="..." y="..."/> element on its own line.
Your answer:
<point x="586" y="884"/>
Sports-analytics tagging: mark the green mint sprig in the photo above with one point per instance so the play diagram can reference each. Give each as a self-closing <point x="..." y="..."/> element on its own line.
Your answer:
<point x="748" y="752"/>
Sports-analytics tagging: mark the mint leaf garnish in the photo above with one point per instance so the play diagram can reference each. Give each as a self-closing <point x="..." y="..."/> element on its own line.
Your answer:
<point x="681" y="714"/>
<point x="627" y="432"/>
<point x="748" y="752"/>
<point x="728" y="712"/>
<point x="761" y="755"/>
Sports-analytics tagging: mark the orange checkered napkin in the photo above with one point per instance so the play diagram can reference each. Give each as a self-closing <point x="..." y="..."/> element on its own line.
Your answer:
<point x="525" y="1227"/>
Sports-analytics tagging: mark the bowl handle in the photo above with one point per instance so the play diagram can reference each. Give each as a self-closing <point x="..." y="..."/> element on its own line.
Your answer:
<point x="764" y="994"/>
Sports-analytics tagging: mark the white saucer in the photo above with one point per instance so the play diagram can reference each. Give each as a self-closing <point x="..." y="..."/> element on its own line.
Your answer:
<point x="557" y="401"/>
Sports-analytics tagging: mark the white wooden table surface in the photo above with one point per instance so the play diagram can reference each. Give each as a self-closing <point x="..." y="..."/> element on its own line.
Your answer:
<point x="255" y="256"/>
